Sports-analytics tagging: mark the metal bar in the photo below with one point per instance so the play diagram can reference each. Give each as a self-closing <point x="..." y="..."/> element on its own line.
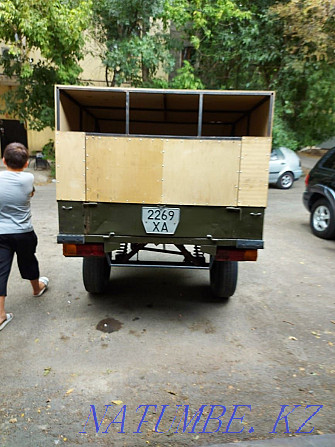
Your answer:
<point x="135" y="109"/>
<point x="58" y="109"/>
<point x="206" y="241"/>
<point x="127" y="112"/>
<point x="186" y="137"/>
<point x="190" y="123"/>
<point x="200" y="113"/>
<point x="164" y="107"/>
<point x="172" y="91"/>
<point x="271" y="114"/>
<point x="159" y="265"/>
<point x="194" y="260"/>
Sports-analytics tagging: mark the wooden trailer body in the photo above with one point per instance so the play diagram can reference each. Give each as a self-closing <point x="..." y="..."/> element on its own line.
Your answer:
<point x="146" y="166"/>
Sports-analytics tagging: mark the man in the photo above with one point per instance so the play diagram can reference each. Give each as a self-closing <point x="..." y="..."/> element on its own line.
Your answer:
<point x="16" y="231"/>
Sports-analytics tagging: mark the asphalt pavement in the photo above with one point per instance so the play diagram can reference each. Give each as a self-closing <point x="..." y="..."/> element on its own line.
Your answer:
<point x="303" y="441"/>
<point x="307" y="163"/>
<point x="271" y="344"/>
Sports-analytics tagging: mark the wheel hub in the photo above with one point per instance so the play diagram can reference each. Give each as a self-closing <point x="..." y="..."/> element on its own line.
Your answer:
<point x="286" y="180"/>
<point x="321" y="218"/>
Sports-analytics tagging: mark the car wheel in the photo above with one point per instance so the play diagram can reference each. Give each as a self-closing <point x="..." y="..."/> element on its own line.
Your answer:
<point x="223" y="278"/>
<point x="322" y="220"/>
<point x="285" y="181"/>
<point x="96" y="272"/>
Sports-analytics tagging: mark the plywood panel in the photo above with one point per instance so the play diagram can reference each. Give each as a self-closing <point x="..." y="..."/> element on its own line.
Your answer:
<point x="254" y="176"/>
<point x="126" y="170"/>
<point x="201" y="172"/>
<point x="162" y="171"/>
<point x="259" y="120"/>
<point x="70" y="165"/>
<point x="69" y="115"/>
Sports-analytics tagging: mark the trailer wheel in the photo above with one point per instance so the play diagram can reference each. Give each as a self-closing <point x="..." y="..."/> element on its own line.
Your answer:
<point x="96" y="273"/>
<point x="223" y="278"/>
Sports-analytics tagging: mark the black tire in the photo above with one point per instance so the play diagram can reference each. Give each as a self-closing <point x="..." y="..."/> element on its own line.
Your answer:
<point x="223" y="278"/>
<point x="96" y="272"/>
<point x="285" y="181"/>
<point x="322" y="220"/>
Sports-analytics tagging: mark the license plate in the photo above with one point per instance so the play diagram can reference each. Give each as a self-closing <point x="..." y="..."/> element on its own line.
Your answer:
<point x="162" y="220"/>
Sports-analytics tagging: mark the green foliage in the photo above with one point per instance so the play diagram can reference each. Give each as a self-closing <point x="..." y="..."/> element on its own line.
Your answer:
<point x="287" y="46"/>
<point x="186" y="79"/>
<point x="45" y="42"/>
<point x="282" y="135"/>
<point x="267" y="45"/>
<point x="48" y="152"/>
<point x="135" y="40"/>
<point x="207" y="25"/>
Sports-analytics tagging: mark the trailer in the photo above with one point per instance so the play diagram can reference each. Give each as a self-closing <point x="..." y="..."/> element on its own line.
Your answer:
<point x="182" y="173"/>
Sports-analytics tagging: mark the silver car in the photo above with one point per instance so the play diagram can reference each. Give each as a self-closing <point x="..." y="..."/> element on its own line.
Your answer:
<point x="285" y="167"/>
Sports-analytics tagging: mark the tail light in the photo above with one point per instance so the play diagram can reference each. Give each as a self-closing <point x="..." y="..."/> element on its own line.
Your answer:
<point x="83" y="250"/>
<point x="307" y="179"/>
<point x="235" y="255"/>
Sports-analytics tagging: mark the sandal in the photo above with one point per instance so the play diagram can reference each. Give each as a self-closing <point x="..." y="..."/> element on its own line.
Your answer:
<point x="45" y="281"/>
<point x="8" y="319"/>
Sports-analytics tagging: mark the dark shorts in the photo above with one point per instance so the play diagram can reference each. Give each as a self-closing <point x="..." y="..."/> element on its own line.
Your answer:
<point x="24" y="245"/>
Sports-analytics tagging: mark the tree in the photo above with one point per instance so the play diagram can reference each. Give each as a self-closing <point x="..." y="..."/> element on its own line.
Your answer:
<point x="206" y="26"/>
<point x="309" y="28"/>
<point x="284" y="46"/>
<point x="134" y="39"/>
<point x="308" y="76"/>
<point x="45" y="40"/>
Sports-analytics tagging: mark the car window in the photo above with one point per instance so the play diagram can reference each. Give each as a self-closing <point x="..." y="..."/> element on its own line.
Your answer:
<point x="276" y="154"/>
<point x="329" y="163"/>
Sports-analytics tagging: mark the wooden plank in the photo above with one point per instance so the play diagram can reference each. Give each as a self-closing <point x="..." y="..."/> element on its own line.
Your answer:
<point x="125" y="170"/>
<point x="254" y="175"/>
<point x="201" y="172"/>
<point x="70" y="165"/>
<point x="69" y="115"/>
<point x="259" y="121"/>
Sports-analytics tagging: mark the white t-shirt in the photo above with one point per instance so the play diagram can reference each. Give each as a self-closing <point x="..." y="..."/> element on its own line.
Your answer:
<point x="15" y="192"/>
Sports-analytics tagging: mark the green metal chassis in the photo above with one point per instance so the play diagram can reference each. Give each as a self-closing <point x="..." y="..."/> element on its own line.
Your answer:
<point x="114" y="224"/>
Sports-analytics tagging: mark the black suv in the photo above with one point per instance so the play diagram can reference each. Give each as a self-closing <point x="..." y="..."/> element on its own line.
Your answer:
<point x="319" y="197"/>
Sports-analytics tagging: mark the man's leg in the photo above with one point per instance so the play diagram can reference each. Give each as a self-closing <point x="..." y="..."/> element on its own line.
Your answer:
<point x="6" y="259"/>
<point x="2" y="309"/>
<point x="37" y="286"/>
<point x="26" y="244"/>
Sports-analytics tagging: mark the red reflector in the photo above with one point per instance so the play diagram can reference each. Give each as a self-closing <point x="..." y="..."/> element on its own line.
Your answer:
<point x="235" y="255"/>
<point x="83" y="250"/>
